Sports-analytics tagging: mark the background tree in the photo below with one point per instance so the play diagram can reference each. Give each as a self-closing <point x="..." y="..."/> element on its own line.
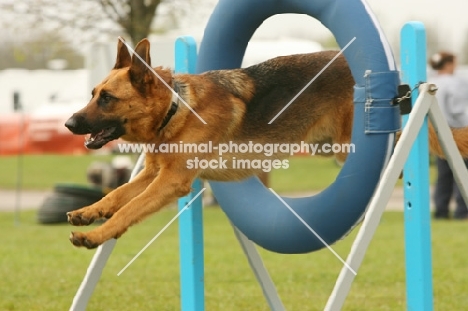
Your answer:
<point x="135" y="17"/>
<point x="77" y="23"/>
<point x="93" y="19"/>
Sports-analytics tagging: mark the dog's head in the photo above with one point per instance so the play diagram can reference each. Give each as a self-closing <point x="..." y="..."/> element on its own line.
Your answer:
<point x="128" y="103"/>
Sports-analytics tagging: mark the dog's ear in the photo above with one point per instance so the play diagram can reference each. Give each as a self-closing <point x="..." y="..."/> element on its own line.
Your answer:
<point x="123" y="56"/>
<point x="140" y="62"/>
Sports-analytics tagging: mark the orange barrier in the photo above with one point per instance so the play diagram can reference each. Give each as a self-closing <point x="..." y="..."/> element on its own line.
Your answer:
<point x="35" y="135"/>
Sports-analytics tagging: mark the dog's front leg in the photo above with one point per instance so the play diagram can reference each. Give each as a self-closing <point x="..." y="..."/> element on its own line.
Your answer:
<point x="112" y="202"/>
<point x="166" y="188"/>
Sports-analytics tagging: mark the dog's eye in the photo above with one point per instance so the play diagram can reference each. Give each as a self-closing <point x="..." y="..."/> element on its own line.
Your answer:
<point x="104" y="98"/>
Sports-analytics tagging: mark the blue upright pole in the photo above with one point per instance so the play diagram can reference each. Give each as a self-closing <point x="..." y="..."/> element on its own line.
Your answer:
<point x="190" y="221"/>
<point x="416" y="180"/>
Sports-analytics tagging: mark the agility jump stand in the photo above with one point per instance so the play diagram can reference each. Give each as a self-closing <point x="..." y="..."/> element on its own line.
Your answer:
<point x="413" y="150"/>
<point x="258" y="212"/>
<point x="419" y="287"/>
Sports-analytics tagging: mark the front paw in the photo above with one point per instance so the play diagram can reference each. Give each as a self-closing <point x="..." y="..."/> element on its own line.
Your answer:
<point x="80" y="239"/>
<point x="78" y="218"/>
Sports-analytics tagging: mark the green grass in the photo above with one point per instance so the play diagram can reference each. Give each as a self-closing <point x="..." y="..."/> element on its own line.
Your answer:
<point x="313" y="173"/>
<point x="40" y="270"/>
<point x="43" y="171"/>
<point x="304" y="174"/>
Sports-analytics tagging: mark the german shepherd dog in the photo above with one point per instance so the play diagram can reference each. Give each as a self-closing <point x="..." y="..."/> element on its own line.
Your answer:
<point x="134" y="102"/>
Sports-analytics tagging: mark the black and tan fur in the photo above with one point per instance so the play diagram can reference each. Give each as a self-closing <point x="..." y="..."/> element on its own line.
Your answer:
<point x="131" y="103"/>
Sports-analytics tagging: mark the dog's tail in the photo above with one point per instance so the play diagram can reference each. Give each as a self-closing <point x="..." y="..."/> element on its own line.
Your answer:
<point x="460" y="136"/>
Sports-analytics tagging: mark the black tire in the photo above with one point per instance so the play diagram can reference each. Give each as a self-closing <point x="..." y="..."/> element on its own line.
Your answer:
<point x="90" y="192"/>
<point x="55" y="207"/>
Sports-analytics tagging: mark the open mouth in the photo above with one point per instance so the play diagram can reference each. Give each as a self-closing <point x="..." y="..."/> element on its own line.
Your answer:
<point x="98" y="139"/>
<point x="101" y="131"/>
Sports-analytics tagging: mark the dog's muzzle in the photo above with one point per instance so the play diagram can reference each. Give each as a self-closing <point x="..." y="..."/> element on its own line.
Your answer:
<point x="101" y="132"/>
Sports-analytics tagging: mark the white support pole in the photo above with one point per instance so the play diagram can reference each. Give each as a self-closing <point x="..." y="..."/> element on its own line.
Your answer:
<point x="379" y="200"/>
<point x="95" y="268"/>
<point x="260" y="272"/>
<point x="425" y="104"/>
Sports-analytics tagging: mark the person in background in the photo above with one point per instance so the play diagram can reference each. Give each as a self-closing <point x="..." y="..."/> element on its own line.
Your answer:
<point x="452" y="96"/>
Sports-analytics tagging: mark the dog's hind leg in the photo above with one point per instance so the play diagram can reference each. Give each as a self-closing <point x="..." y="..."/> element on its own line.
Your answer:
<point x="169" y="185"/>
<point x="112" y="202"/>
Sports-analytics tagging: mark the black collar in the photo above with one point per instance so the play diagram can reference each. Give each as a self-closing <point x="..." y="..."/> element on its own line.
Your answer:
<point x="174" y="106"/>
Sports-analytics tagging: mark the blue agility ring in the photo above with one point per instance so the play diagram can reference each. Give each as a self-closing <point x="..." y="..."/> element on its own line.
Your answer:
<point x="255" y="210"/>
